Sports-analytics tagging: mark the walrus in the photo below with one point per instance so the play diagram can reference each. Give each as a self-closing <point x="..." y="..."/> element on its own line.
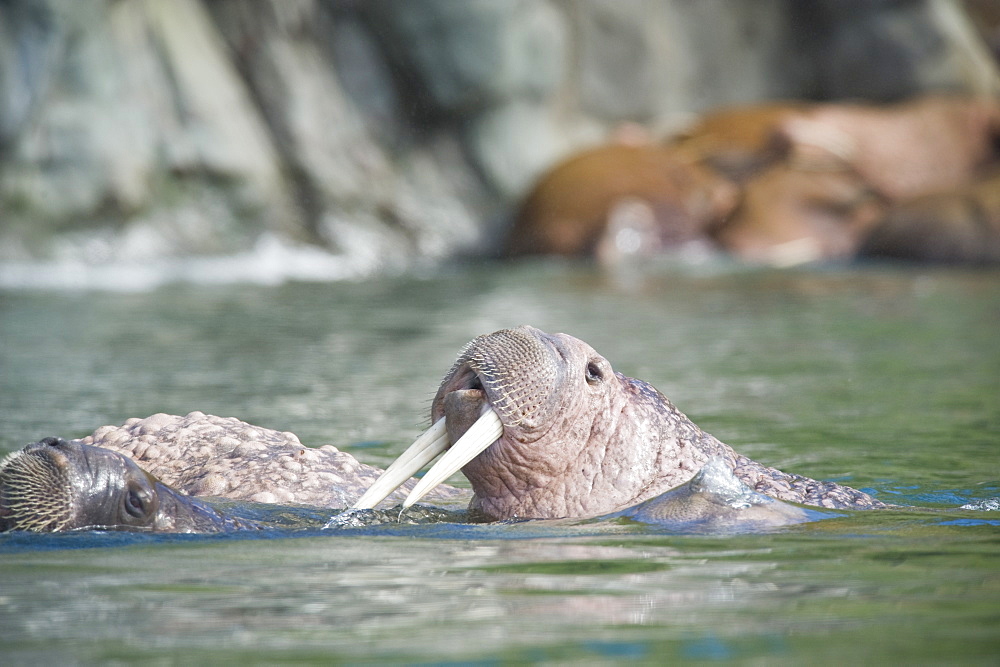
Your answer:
<point x="841" y="168"/>
<point x="206" y="455"/>
<point x="793" y="215"/>
<point x="904" y="150"/>
<point x="619" y="199"/>
<point x="779" y="183"/>
<point x="56" y="485"/>
<point x="947" y="227"/>
<point x="146" y="474"/>
<point x="543" y="427"/>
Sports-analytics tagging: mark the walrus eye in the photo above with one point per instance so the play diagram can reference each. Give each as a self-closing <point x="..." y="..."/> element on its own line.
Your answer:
<point x="135" y="504"/>
<point x="594" y="373"/>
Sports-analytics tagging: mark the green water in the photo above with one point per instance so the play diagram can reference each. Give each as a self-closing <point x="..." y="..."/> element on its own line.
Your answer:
<point x="887" y="379"/>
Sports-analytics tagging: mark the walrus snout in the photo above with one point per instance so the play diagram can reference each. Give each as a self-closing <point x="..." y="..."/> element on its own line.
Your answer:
<point x="50" y="445"/>
<point x="502" y="388"/>
<point x="35" y="493"/>
<point x="50" y="442"/>
<point x="60" y="454"/>
<point x="518" y="369"/>
<point x="462" y="377"/>
<point x="49" y="454"/>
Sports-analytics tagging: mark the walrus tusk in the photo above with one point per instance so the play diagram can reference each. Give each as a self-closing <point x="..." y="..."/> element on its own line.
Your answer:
<point x="424" y="449"/>
<point x="480" y="435"/>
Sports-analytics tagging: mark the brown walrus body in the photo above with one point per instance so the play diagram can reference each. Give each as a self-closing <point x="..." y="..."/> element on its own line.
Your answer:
<point x="952" y="226"/>
<point x="648" y="193"/>
<point x="845" y="166"/>
<point x="781" y="183"/>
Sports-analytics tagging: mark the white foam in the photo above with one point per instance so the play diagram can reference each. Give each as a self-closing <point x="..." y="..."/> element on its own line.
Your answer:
<point x="984" y="505"/>
<point x="272" y="261"/>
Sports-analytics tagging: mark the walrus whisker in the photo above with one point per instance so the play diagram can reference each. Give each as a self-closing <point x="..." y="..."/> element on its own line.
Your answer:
<point x="34" y="492"/>
<point x="483" y="433"/>
<point x="423" y="450"/>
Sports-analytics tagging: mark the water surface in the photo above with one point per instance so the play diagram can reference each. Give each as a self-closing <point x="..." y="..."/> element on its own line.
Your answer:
<point x="887" y="379"/>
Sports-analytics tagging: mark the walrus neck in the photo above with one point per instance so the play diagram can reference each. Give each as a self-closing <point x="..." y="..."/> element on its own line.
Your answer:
<point x="183" y="514"/>
<point x="638" y="447"/>
<point x="687" y="448"/>
<point x="657" y="439"/>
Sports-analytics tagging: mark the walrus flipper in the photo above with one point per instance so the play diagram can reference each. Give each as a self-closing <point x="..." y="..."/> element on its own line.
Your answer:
<point x="715" y="500"/>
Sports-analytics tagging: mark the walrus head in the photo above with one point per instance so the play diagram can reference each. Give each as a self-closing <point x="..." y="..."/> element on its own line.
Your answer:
<point x="543" y="427"/>
<point x="58" y="485"/>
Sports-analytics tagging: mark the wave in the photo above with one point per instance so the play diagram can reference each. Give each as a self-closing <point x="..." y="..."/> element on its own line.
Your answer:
<point x="272" y="261"/>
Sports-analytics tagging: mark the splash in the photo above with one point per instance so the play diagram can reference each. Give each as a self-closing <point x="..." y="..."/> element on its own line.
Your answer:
<point x="984" y="505"/>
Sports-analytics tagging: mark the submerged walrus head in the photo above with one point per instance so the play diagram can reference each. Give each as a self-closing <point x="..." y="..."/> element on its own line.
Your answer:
<point x="58" y="485"/>
<point x="543" y="427"/>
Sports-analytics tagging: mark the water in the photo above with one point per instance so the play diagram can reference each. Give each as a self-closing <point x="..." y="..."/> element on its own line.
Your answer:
<point x="886" y="379"/>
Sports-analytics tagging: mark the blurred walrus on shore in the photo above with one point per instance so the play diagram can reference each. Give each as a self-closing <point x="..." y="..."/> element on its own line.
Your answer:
<point x="778" y="184"/>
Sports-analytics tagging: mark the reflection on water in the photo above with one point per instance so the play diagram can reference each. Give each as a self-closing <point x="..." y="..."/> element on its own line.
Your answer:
<point x="883" y="379"/>
<point x="806" y="593"/>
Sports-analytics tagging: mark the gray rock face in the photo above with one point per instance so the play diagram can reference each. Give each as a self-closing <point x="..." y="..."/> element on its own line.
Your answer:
<point x="142" y="117"/>
<point x="886" y="50"/>
<point x="390" y="132"/>
<point x="464" y="57"/>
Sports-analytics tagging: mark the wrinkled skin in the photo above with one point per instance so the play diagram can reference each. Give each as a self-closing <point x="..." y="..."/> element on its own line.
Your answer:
<point x="581" y="440"/>
<point x="206" y="455"/>
<point x="58" y="485"/>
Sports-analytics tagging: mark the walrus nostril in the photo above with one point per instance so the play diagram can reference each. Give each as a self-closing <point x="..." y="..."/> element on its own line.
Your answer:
<point x="52" y="442"/>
